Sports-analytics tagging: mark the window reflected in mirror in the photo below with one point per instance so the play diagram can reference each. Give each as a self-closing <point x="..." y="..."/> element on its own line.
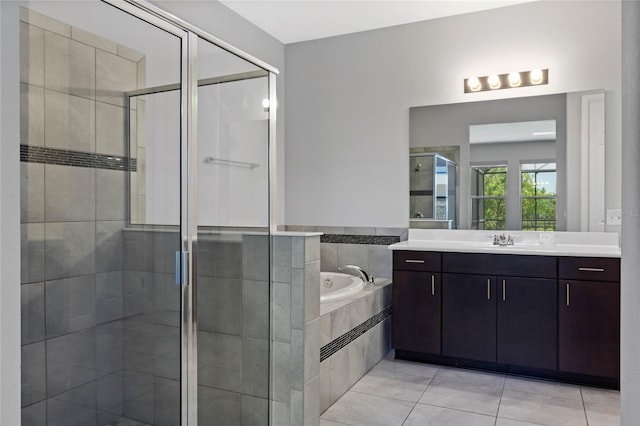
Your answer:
<point x="538" y="194"/>
<point x="488" y="197"/>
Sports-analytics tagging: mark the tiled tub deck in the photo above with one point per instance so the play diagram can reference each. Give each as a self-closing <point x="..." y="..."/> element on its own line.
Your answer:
<point x="355" y="334"/>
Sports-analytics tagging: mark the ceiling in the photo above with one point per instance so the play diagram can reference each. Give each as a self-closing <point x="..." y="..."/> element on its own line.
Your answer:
<point x="292" y="21"/>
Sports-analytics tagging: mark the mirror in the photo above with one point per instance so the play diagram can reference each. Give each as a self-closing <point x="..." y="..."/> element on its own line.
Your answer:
<point x="519" y="164"/>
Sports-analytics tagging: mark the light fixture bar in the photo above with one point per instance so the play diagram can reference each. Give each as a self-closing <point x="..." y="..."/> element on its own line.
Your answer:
<point x="536" y="77"/>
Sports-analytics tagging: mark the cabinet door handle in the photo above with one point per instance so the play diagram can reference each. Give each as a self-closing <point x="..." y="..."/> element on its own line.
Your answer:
<point x="413" y="261"/>
<point x="488" y="288"/>
<point x="567" y="294"/>
<point x="504" y="290"/>
<point x="591" y="269"/>
<point x="433" y="285"/>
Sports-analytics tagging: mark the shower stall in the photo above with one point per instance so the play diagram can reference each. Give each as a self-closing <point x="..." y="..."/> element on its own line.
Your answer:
<point x="146" y="154"/>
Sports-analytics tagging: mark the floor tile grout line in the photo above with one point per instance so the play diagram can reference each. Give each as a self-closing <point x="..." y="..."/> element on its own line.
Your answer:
<point x="455" y="409"/>
<point x="521" y="421"/>
<point x="409" y="414"/>
<point x="504" y="384"/>
<point x="381" y="396"/>
<point x="584" y="408"/>
<point x="547" y="395"/>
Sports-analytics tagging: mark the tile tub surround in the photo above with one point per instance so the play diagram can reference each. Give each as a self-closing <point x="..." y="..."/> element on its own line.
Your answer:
<point x="73" y="192"/>
<point x="355" y="334"/>
<point x="398" y="393"/>
<point x="362" y="246"/>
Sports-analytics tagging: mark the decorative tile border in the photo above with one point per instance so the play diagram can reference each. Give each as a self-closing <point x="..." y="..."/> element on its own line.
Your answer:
<point x="382" y="240"/>
<point x="63" y="157"/>
<point x="332" y="347"/>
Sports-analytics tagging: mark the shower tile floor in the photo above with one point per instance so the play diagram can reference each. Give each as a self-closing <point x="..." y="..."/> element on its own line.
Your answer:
<point x="407" y="393"/>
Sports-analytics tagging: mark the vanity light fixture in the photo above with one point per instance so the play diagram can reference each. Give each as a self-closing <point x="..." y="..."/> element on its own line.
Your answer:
<point x="535" y="77"/>
<point x="494" y="82"/>
<point x="514" y="79"/>
<point x="474" y="84"/>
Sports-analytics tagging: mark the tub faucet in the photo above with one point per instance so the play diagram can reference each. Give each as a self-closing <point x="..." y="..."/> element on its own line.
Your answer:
<point x="368" y="280"/>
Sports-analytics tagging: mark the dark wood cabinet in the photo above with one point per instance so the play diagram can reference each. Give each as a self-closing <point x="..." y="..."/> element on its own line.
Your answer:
<point x="527" y="324"/>
<point x="556" y="317"/>
<point x="469" y="317"/>
<point x="589" y="327"/>
<point x="417" y="311"/>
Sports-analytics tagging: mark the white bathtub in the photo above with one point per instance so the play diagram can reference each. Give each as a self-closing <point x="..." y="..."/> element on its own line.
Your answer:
<point x="335" y="286"/>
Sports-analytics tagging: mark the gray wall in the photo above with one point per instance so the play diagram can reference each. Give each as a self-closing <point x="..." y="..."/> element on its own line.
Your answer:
<point x="629" y="289"/>
<point x="348" y="97"/>
<point x="449" y="125"/>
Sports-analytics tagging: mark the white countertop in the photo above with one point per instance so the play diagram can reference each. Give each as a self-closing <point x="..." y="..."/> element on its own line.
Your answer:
<point x="587" y="244"/>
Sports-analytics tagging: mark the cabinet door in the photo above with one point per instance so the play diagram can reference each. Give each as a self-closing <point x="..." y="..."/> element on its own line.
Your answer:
<point x="589" y="328"/>
<point x="469" y="316"/>
<point x="528" y="322"/>
<point x="416" y="311"/>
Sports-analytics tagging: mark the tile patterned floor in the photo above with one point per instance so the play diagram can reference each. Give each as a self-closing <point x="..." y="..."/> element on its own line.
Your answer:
<point x="406" y="393"/>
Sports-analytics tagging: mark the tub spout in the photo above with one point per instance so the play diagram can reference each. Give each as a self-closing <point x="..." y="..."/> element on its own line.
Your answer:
<point x="361" y="272"/>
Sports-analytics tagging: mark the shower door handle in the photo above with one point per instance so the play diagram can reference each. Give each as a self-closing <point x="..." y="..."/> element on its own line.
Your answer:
<point x="182" y="265"/>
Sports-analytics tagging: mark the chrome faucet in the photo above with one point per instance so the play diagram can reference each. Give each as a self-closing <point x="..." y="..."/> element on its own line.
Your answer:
<point x="503" y="240"/>
<point x="368" y="279"/>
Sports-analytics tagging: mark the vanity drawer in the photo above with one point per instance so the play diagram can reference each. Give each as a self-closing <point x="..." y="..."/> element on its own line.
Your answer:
<point x="589" y="268"/>
<point x="416" y="261"/>
<point x="511" y="265"/>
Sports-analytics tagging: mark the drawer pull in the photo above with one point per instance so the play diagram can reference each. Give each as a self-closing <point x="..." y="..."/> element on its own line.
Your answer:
<point x="433" y="285"/>
<point x="413" y="261"/>
<point x="488" y="288"/>
<point x="567" y="294"/>
<point x="591" y="269"/>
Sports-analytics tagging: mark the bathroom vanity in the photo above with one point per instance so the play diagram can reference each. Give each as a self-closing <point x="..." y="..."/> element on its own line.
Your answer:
<point x="548" y="310"/>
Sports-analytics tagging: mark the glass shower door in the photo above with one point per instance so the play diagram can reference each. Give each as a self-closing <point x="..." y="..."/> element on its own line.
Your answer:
<point x="101" y="207"/>
<point x="232" y="284"/>
<point x="146" y="254"/>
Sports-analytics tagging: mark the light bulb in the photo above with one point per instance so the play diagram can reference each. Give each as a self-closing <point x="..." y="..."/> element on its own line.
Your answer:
<point x="265" y="103"/>
<point x="474" y="84"/>
<point x="494" y="81"/>
<point x="514" y="79"/>
<point x="535" y="76"/>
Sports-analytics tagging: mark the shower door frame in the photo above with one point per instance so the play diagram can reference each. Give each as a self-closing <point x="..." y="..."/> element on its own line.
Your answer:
<point x="189" y="35"/>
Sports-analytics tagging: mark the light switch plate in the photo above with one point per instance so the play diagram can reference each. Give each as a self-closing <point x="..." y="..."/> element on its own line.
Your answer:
<point x="614" y="216"/>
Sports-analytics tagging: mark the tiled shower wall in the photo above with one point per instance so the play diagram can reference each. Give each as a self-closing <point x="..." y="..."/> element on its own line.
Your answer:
<point x="233" y="328"/>
<point x="73" y="211"/>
